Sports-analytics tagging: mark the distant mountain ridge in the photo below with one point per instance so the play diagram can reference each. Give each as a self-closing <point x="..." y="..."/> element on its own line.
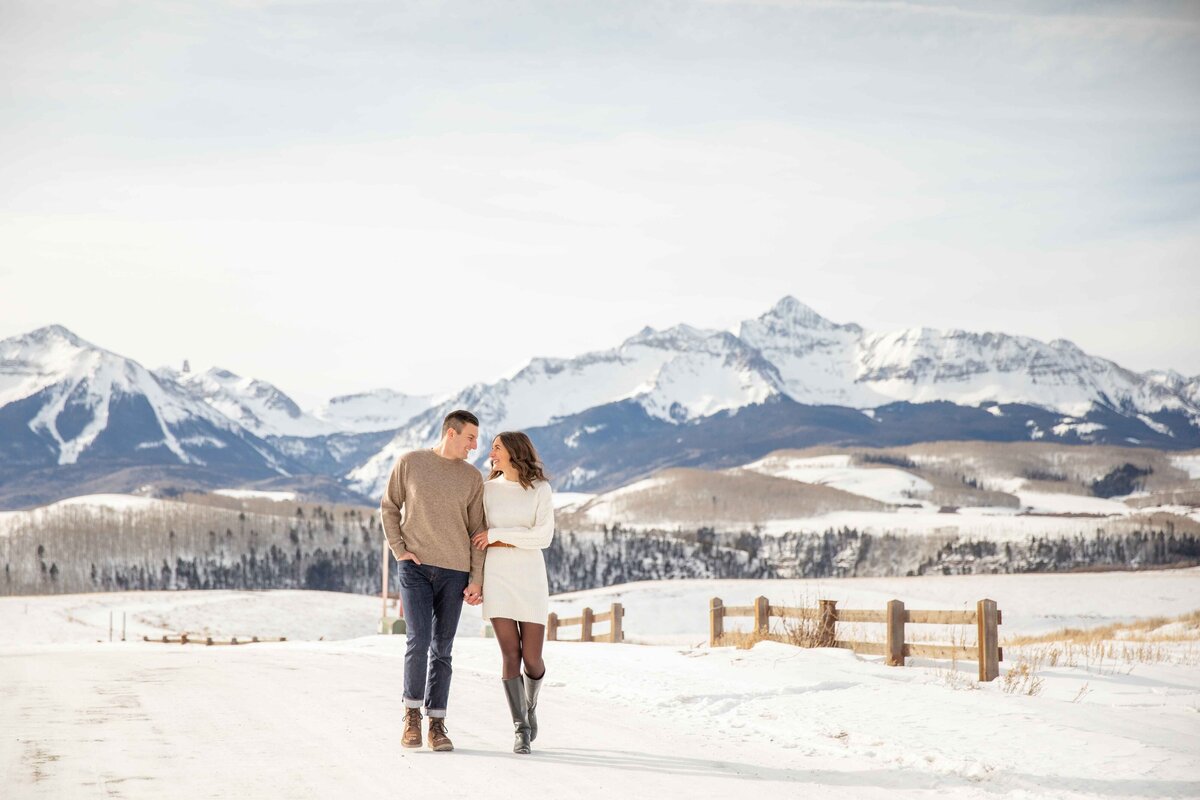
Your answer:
<point x="683" y="396"/>
<point x="685" y="376"/>
<point x="68" y="405"/>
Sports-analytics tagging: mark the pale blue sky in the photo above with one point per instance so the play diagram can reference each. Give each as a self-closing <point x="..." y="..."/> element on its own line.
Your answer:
<point x="287" y="189"/>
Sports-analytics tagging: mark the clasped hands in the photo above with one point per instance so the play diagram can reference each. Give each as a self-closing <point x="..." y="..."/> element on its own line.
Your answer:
<point x="473" y="594"/>
<point x="483" y="540"/>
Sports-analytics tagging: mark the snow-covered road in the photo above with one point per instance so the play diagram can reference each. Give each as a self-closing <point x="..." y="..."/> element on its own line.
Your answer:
<point x="321" y="719"/>
<point x="83" y="717"/>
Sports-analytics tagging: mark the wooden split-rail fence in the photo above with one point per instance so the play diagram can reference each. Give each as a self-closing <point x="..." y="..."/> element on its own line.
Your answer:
<point x="613" y="617"/>
<point x="183" y="638"/>
<point x="986" y="617"/>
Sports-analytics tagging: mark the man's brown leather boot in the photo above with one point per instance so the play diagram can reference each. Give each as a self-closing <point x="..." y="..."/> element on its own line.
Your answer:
<point x="439" y="742"/>
<point x="412" y="728"/>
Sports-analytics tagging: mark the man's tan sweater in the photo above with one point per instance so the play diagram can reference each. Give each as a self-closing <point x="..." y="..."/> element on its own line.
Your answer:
<point x="431" y="508"/>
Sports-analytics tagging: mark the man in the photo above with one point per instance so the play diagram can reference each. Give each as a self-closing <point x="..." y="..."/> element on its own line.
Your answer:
<point x="441" y="496"/>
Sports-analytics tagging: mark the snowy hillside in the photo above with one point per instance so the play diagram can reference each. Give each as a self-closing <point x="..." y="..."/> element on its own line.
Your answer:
<point x="996" y="492"/>
<point x="1071" y="720"/>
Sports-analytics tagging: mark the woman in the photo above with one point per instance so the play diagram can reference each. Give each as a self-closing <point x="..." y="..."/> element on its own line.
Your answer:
<point x="516" y="595"/>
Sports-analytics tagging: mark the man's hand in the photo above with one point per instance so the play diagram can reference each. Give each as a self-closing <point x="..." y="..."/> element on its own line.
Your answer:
<point x="473" y="594"/>
<point x="409" y="555"/>
<point x="480" y="540"/>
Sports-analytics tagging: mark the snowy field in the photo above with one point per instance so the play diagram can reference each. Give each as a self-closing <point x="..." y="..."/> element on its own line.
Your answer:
<point x="82" y="717"/>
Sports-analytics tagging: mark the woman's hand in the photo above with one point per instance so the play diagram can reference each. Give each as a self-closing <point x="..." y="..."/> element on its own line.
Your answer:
<point x="480" y="540"/>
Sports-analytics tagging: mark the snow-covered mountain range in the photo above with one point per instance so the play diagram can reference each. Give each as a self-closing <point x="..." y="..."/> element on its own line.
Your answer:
<point x="256" y="405"/>
<point x="64" y="401"/>
<point x="680" y="396"/>
<point x="265" y="410"/>
<point x="684" y="375"/>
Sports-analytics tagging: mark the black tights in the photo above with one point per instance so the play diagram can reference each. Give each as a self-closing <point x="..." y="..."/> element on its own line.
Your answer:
<point x="520" y="641"/>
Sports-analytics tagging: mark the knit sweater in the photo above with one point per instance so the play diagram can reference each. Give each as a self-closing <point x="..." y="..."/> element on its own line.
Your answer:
<point x="518" y="516"/>
<point x="431" y="508"/>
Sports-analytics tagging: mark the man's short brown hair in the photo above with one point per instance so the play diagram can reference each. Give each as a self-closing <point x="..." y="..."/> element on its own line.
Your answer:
<point x="457" y="419"/>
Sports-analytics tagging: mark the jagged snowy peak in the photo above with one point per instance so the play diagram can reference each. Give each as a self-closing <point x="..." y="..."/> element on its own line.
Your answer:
<point x="923" y="365"/>
<point x="376" y="410"/>
<point x="822" y="362"/>
<point x="64" y="400"/>
<point x="814" y="357"/>
<point x="677" y="374"/>
<point x="720" y="373"/>
<point x="1182" y="385"/>
<point x="256" y="405"/>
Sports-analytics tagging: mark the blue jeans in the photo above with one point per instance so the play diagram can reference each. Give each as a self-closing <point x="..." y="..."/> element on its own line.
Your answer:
<point x="433" y="601"/>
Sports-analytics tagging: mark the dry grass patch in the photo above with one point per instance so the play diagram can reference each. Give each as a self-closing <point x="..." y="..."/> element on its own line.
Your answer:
<point x="1183" y="628"/>
<point x="1022" y="678"/>
<point x="1109" y="649"/>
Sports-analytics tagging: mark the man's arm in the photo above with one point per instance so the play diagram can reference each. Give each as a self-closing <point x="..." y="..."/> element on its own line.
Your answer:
<point x="476" y="523"/>
<point x="390" y="510"/>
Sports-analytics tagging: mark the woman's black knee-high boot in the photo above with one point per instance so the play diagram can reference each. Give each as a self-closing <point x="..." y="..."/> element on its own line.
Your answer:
<point x="514" y="692"/>
<point x="532" y="687"/>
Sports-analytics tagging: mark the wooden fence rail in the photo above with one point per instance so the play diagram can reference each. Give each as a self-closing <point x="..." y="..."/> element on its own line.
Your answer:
<point x="986" y="617"/>
<point x="183" y="638"/>
<point x="613" y="617"/>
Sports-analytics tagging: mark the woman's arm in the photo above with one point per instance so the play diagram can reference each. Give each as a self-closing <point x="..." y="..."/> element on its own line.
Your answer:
<point x="536" y="536"/>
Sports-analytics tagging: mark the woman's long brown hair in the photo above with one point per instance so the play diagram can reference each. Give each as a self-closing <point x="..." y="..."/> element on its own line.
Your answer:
<point x="523" y="456"/>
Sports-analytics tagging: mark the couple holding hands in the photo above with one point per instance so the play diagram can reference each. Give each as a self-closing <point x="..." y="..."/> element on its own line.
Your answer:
<point x="459" y="538"/>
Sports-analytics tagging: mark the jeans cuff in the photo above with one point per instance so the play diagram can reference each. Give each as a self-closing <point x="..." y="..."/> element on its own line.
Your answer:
<point x="412" y="703"/>
<point x="435" y="713"/>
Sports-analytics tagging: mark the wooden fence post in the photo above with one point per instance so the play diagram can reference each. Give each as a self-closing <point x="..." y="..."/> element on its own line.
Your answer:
<point x="615" y="632"/>
<point x="762" y="616"/>
<point x="552" y="627"/>
<point x="987" y="618"/>
<point x="716" y="622"/>
<point x="827" y="626"/>
<point x="588" y="617"/>
<point x="387" y="553"/>
<point x="895" y="633"/>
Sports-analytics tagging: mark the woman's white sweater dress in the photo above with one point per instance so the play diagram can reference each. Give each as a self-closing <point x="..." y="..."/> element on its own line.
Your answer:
<point x="514" y="578"/>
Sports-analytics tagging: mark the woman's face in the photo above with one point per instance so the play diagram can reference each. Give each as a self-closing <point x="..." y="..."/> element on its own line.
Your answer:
<point x="500" y="459"/>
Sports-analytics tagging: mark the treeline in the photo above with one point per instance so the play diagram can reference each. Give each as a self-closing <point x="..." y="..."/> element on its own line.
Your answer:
<point x="587" y="561"/>
<point x="187" y="546"/>
<point x="73" y="549"/>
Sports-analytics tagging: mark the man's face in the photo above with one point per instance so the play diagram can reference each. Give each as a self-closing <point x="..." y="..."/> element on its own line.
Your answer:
<point x="460" y="445"/>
